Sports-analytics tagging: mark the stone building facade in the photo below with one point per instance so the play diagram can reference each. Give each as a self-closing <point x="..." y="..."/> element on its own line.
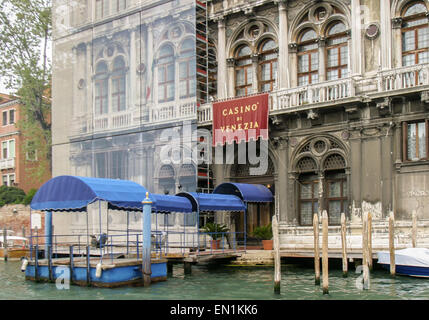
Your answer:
<point x="348" y="84"/>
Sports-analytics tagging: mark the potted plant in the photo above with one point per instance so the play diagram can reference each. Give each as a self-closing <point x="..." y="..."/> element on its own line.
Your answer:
<point x="215" y="230"/>
<point x="264" y="233"/>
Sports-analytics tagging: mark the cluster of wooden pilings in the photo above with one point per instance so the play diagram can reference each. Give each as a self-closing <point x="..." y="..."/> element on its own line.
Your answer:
<point x="367" y="261"/>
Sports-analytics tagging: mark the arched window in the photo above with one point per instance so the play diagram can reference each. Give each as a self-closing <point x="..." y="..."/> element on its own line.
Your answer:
<point x="267" y="65"/>
<point x="101" y="88"/>
<point x="336" y="52"/>
<point x="308" y="58"/>
<point x="166" y="74"/>
<point x="118" y="85"/>
<point x="243" y="71"/>
<point x="187" y="69"/>
<point x="415" y="34"/>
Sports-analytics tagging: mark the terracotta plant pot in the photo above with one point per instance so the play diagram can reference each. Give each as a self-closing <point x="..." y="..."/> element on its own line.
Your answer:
<point x="267" y="244"/>
<point x="215" y="244"/>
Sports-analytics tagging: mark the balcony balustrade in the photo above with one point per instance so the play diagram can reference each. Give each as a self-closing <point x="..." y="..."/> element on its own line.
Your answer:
<point x="403" y="78"/>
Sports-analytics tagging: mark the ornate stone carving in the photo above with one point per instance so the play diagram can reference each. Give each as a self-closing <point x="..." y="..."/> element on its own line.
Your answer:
<point x="230" y="62"/>
<point x="293" y="47"/>
<point x="424" y="96"/>
<point x="385" y="107"/>
<point x="397" y="22"/>
<point x="311" y="114"/>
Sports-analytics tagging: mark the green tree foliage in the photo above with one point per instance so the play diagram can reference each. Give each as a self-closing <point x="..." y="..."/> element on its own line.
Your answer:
<point x="29" y="196"/>
<point x="25" y="67"/>
<point x="11" y="195"/>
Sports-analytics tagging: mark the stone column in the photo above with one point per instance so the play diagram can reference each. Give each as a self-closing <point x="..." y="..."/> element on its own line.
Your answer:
<point x="397" y="40"/>
<point x="357" y="56"/>
<point x="386" y="35"/>
<point x="89" y="112"/>
<point x="255" y="66"/>
<point x="281" y="183"/>
<point x="132" y="85"/>
<point x="221" y="55"/>
<point x="322" y="61"/>
<point x="293" y="65"/>
<point x="292" y="195"/>
<point x="231" y="77"/>
<point x="283" y="59"/>
<point x="321" y="191"/>
<point x="150" y="62"/>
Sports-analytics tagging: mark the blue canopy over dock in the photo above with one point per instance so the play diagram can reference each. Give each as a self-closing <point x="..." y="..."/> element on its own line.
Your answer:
<point x="213" y="202"/>
<point x="246" y="192"/>
<point x="73" y="193"/>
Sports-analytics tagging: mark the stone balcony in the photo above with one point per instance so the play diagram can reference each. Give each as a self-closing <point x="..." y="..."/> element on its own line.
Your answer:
<point x="317" y="95"/>
<point x="403" y="80"/>
<point x="399" y="81"/>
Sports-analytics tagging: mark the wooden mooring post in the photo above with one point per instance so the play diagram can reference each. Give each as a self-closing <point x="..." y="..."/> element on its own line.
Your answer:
<point x="325" y="280"/>
<point x="365" y="250"/>
<point x="316" y="249"/>
<point x="277" y="265"/>
<point x="5" y="253"/>
<point x="344" y="244"/>
<point x="414" y="230"/>
<point x="392" y="243"/>
<point x="370" y="241"/>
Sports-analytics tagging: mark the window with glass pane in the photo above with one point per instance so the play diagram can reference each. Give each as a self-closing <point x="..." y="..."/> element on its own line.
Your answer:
<point x="187" y="69"/>
<point x="308" y="58"/>
<point x="415" y="35"/>
<point x="166" y="74"/>
<point x="336" y="52"/>
<point x="101" y="88"/>
<point x="119" y="165"/>
<point x="11" y="179"/>
<point x="4" y="118"/>
<point x="5" y="148"/>
<point x="336" y="199"/>
<point x="118" y="85"/>
<point x="308" y="201"/>
<point x="101" y="164"/>
<point x="267" y="66"/>
<point x="243" y="71"/>
<point x="5" y="179"/>
<point x="416" y="140"/>
<point x="11" y="116"/>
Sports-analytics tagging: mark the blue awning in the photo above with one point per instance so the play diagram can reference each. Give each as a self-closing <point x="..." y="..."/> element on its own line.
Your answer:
<point x="73" y="193"/>
<point x="246" y="192"/>
<point x="167" y="203"/>
<point x="213" y="202"/>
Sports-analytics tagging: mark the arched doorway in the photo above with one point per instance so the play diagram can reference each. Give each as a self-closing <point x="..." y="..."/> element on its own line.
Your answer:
<point x="258" y="214"/>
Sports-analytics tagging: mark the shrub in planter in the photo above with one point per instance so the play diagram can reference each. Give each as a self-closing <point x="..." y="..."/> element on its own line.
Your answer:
<point x="264" y="233"/>
<point x="215" y="230"/>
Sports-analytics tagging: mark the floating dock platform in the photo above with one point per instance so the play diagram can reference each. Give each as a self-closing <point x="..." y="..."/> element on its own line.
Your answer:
<point x="114" y="273"/>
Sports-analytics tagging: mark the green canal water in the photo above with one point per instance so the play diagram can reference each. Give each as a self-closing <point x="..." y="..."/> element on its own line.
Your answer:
<point x="214" y="282"/>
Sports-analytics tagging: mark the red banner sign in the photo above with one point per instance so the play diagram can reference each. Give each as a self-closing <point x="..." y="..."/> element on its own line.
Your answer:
<point x="240" y="119"/>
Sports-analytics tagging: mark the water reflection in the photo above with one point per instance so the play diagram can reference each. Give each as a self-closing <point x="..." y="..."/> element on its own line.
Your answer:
<point x="210" y="282"/>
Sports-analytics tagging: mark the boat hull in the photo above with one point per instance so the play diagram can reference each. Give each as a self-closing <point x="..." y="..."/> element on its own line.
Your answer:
<point x="14" y="253"/>
<point x="114" y="276"/>
<point x="412" y="271"/>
